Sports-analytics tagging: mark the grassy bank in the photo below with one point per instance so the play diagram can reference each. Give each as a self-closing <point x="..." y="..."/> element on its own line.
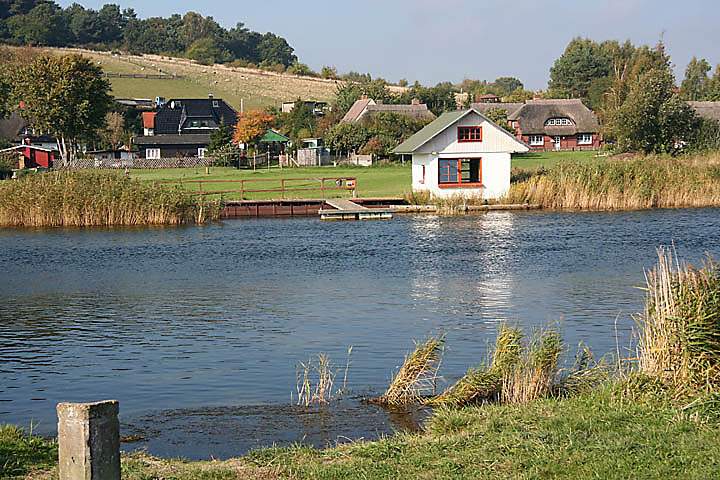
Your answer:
<point x="623" y="184"/>
<point x="597" y="435"/>
<point x="89" y="198"/>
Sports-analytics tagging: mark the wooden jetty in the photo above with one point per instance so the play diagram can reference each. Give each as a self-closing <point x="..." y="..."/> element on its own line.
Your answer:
<point x="344" y="209"/>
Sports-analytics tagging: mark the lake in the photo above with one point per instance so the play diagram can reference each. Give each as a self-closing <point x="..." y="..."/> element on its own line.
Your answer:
<point x="198" y="330"/>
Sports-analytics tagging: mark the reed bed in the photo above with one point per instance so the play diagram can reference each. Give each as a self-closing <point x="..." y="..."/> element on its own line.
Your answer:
<point x="93" y="198"/>
<point x="679" y="330"/>
<point x="624" y="184"/>
<point x="417" y="377"/>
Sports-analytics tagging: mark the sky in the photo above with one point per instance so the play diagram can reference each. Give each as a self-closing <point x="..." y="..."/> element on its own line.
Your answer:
<point x="450" y="40"/>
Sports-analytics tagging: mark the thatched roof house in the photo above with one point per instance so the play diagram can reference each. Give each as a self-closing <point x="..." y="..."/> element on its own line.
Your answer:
<point x="535" y="117"/>
<point x="368" y="106"/>
<point x="708" y="110"/>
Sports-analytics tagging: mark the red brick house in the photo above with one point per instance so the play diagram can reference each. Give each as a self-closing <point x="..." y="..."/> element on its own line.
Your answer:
<point x="555" y="124"/>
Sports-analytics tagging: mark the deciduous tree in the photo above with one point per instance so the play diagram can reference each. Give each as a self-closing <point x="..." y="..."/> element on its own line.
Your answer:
<point x="654" y="119"/>
<point x="582" y="62"/>
<point x="65" y="96"/>
<point x="251" y="126"/>
<point x="696" y="82"/>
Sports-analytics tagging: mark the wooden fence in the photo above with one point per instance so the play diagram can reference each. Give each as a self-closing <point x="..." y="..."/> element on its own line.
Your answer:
<point x="281" y="186"/>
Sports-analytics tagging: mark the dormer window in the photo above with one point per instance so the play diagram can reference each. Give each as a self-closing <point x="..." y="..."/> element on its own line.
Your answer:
<point x="558" y="122"/>
<point x="469" y="134"/>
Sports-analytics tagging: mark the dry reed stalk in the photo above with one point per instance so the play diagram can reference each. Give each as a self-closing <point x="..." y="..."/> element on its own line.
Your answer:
<point x="315" y="381"/>
<point x="679" y="330"/>
<point x="417" y="377"/>
<point x="534" y="375"/>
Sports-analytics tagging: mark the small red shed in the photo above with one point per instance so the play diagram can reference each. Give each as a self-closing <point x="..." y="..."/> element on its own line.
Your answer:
<point x="32" y="156"/>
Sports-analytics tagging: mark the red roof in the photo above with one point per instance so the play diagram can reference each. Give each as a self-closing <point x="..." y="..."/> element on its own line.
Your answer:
<point x="149" y="119"/>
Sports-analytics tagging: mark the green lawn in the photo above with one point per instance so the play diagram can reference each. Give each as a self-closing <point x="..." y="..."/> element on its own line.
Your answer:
<point x="378" y="181"/>
<point x="534" y="160"/>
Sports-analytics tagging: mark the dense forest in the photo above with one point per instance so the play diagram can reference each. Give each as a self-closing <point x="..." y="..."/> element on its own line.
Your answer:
<point x="45" y="23"/>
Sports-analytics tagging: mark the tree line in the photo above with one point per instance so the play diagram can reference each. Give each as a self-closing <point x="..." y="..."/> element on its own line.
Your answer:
<point x="45" y="23"/>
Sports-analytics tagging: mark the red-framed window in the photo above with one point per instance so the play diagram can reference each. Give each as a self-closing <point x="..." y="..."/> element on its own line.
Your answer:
<point x="469" y="134"/>
<point x="460" y="172"/>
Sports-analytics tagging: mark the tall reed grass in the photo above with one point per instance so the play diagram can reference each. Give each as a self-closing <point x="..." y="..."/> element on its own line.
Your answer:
<point x="91" y="198"/>
<point x="679" y="331"/>
<point x="624" y="184"/>
<point x="417" y="376"/>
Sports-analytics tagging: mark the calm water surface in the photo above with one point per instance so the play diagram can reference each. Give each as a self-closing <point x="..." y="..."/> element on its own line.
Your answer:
<point x="177" y="321"/>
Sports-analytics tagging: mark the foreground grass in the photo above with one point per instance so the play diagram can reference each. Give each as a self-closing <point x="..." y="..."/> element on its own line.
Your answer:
<point x="596" y="435"/>
<point x="21" y="453"/>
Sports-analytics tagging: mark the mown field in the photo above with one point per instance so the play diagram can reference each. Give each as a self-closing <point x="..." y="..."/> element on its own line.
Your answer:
<point x="256" y="88"/>
<point x="379" y="181"/>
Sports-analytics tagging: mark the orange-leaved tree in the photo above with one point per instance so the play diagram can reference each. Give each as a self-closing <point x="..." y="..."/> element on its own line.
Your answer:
<point x="251" y="126"/>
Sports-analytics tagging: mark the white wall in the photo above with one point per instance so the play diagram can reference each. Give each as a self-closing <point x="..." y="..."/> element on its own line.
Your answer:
<point x="494" y="152"/>
<point x="495" y="175"/>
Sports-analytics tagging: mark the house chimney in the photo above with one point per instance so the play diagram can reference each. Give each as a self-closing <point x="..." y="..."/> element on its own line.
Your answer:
<point x="415" y="101"/>
<point x="363" y="97"/>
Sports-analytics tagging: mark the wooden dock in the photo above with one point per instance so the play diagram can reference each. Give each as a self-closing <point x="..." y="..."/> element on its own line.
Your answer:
<point x="344" y="209"/>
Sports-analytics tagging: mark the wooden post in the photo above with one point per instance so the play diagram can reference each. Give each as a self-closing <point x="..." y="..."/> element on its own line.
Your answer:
<point x="89" y="441"/>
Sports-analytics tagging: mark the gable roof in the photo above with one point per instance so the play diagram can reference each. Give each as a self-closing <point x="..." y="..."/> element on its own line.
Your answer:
<point x="418" y="111"/>
<point x="168" y="119"/>
<point x="708" y="110"/>
<point x="533" y="115"/>
<point x="439" y="125"/>
<point x="273" y="136"/>
<point x="357" y="109"/>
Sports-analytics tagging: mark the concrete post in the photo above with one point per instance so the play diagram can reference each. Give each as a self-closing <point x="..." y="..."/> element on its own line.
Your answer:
<point x="89" y="441"/>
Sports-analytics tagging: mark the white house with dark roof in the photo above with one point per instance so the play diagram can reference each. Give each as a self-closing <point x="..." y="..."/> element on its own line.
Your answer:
<point x="462" y="153"/>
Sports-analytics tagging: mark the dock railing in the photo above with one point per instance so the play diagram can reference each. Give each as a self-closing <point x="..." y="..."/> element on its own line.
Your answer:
<point x="281" y="186"/>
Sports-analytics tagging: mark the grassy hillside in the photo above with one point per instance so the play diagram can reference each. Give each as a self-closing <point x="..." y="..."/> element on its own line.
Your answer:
<point x="257" y="88"/>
